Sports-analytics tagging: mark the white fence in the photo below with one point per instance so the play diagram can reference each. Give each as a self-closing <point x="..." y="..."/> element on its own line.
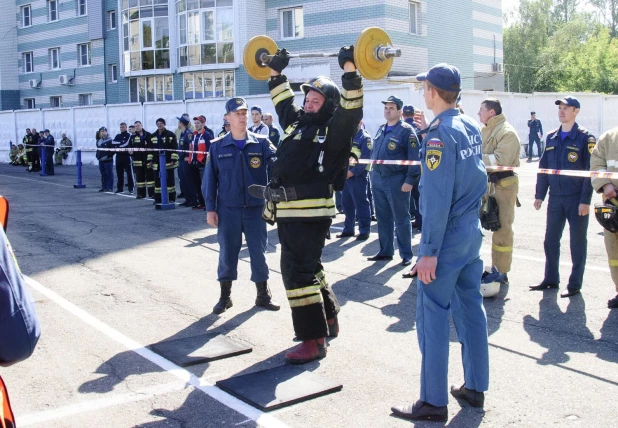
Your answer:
<point x="598" y="113"/>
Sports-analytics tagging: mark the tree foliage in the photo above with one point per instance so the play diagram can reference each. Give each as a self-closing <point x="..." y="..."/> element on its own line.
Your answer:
<point x="551" y="47"/>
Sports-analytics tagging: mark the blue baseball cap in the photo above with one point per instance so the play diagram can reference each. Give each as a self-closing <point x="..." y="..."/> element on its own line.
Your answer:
<point x="408" y="109"/>
<point x="235" y="104"/>
<point x="396" y="100"/>
<point x="183" y="119"/>
<point x="442" y="76"/>
<point x="569" y="101"/>
<point x="258" y="108"/>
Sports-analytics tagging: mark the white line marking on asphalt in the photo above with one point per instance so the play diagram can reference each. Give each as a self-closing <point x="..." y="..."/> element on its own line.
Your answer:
<point x="100" y="403"/>
<point x="209" y="389"/>
<point x="36" y="181"/>
<point x="542" y="260"/>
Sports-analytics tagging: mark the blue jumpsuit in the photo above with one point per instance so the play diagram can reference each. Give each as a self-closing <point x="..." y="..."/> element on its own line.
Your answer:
<point x="392" y="206"/>
<point x="415" y="194"/>
<point x="453" y="181"/>
<point x="533" y="137"/>
<point x="354" y="194"/>
<point x="565" y="195"/>
<point x="229" y="173"/>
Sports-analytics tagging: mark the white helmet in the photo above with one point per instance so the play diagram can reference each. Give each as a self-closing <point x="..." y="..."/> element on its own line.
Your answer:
<point x="491" y="281"/>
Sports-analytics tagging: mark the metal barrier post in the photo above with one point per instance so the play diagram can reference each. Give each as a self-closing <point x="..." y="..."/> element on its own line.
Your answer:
<point x="79" y="184"/>
<point x="43" y="163"/>
<point x="165" y="204"/>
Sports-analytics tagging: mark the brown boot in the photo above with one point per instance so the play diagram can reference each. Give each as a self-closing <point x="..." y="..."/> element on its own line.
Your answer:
<point x="225" y="302"/>
<point x="309" y="350"/>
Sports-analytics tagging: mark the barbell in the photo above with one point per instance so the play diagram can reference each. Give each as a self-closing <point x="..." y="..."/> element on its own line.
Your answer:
<point x="373" y="54"/>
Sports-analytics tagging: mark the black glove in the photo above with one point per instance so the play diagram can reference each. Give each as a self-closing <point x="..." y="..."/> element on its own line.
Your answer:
<point x="346" y="54"/>
<point x="489" y="217"/>
<point x="280" y="60"/>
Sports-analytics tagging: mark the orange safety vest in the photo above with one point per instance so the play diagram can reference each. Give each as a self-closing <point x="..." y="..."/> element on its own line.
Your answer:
<point x="201" y="147"/>
<point x="7" y="419"/>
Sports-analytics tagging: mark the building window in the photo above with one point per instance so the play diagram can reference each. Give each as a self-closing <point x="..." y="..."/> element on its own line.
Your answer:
<point x="54" y="59"/>
<point x="29" y="103"/>
<point x="111" y="20"/>
<point x="153" y="88"/>
<point x="209" y="84"/>
<point x="145" y="35"/>
<point x="55" y="101"/>
<point x="28" y="58"/>
<point x="85" y="99"/>
<point x="26" y="16"/>
<point x="205" y="32"/>
<point x="292" y="25"/>
<point x="52" y="10"/>
<point x="83" y="54"/>
<point x="414" y="27"/>
<point x="113" y="73"/>
<point x="82" y="9"/>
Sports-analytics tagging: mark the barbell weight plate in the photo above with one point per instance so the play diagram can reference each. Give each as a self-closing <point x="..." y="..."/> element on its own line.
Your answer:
<point x="367" y="64"/>
<point x="251" y="55"/>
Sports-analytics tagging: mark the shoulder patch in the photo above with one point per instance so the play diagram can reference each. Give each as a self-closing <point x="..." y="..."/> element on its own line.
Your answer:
<point x="433" y="158"/>
<point x="413" y="140"/>
<point x="435" y="143"/>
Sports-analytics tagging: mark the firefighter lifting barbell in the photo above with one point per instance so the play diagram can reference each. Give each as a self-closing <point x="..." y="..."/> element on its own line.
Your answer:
<point x="373" y="54"/>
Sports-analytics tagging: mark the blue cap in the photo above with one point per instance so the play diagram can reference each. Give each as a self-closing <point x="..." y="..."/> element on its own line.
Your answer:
<point x="396" y="100"/>
<point x="569" y="101"/>
<point x="235" y="104"/>
<point x="183" y="119"/>
<point x="258" y="108"/>
<point x="443" y="76"/>
<point x="408" y="109"/>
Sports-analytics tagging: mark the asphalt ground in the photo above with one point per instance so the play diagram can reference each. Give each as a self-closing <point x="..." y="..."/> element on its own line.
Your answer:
<point x="110" y="275"/>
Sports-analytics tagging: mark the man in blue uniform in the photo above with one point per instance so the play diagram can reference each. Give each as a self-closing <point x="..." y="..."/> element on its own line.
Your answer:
<point x="237" y="161"/>
<point x="273" y="133"/>
<point x="535" y="135"/>
<point x="568" y="147"/>
<point x="50" y="145"/>
<point x="354" y="193"/>
<point x="408" y="117"/>
<point x="258" y="127"/>
<point x="391" y="184"/>
<point x="449" y="267"/>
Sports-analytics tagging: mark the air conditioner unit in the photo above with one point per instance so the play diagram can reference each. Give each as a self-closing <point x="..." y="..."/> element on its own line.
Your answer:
<point x="497" y="67"/>
<point x="64" y="79"/>
<point x="33" y="83"/>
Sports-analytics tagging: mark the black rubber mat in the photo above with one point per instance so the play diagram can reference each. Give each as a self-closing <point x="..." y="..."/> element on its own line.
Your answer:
<point x="200" y="349"/>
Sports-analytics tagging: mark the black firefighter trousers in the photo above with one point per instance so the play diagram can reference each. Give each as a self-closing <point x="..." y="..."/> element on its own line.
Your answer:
<point x="310" y="296"/>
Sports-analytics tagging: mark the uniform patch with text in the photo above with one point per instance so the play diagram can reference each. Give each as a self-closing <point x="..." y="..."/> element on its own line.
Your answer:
<point x="591" y="143"/>
<point x="413" y="140"/>
<point x="434" y="142"/>
<point x="573" y="156"/>
<point x="433" y="158"/>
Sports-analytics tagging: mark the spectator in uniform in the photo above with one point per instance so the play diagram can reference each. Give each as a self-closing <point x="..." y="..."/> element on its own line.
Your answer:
<point x="354" y="193"/>
<point x="449" y="266"/>
<point x="185" y="136"/>
<point x="144" y="175"/>
<point x="273" y="133"/>
<point x="34" y="163"/>
<point x="49" y="143"/>
<point x="225" y="129"/>
<point x="415" y="212"/>
<point x="200" y="144"/>
<point x="123" y="159"/>
<point x="106" y="160"/>
<point x="501" y="148"/>
<point x="63" y="151"/>
<point x="163" y="139"/>
<point x="258" y="127"/>
<point x="237" y="161"/>
<point x="391" y="184"/>
<point x="603" y="159"/>
<point x="180" y="172"/>
<point x="567" y="148"/>
<point x="535" y="135"/>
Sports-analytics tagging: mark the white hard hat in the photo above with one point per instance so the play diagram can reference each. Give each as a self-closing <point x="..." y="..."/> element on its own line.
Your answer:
<point x="489" y="286"/>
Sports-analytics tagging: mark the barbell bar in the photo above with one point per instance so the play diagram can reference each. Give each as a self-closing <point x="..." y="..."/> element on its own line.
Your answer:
<point x="373" y="54"/>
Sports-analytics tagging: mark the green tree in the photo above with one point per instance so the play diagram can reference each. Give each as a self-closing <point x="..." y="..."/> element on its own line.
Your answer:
<point x="608" y="14"/>
<point x="565" y="10"/>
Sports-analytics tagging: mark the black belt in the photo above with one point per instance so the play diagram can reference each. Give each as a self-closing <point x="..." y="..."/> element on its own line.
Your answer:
<point x="494" y="177"/>
<point x="284" y="194"/>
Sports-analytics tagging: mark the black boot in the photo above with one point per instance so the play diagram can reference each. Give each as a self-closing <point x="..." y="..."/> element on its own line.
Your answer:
<point x="224" y="302"/>
<point x="264" y="298"/>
